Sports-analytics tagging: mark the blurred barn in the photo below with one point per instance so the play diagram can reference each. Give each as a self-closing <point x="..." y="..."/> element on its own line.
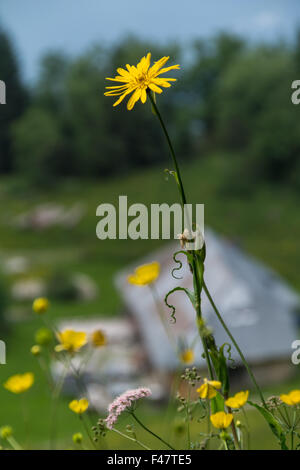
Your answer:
<point x="257" y="305"/>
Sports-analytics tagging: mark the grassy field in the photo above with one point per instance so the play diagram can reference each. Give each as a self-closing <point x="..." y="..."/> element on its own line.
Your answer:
<point x="264" y="222"/>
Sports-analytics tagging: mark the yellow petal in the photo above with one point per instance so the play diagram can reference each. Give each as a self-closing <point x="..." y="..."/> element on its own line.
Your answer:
<point x="118" y="79"/>
<point x="158" y="64"/>
<point x="122" y="97"/>
<point x="144" y="96"/>
<point x="155" y="88"/>
<point x="166" y="69"/>
<point x="221" y="420"/>
<point x="134" y="98"/>
<point x="238" y="400"/>
<point x="292" y="398"/>
<point x="79" y="406"/>
<point x="124" y="73"/>
<point x="206" y="391"/>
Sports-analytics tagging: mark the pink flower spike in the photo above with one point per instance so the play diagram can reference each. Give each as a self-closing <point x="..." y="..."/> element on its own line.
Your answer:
<point x="123" y="402"/>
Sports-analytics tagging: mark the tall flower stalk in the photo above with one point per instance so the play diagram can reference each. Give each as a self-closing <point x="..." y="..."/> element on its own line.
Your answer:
<point x="142" y="82"/>
<point x="196" y="268"/>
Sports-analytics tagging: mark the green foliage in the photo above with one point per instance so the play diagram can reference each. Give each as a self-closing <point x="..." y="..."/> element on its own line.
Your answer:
<point x="275" y="427"/>
<point x="16" y="99"/>
<point x="255" y="113"/>
<point x="3" y="303"/>
<point x="72" y="129"/>
<point x="229" y="96"/>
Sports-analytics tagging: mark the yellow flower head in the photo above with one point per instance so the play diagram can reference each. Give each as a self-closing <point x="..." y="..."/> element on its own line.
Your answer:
<point x="187" y="356"/>
<point x="138" y="79"/>
<point x="40" y="305"/>
<point x="19" y="383"/>
<point x="79" y="406"/>
<point x="98" y="339"/>
<point x="238" y="400"/>
<point x="221" y="420"/>
<point x="145" y="274"/>
<point x="5" y="432"/>
<point x="292" y="398"/>
<point x="209" y="388"/>
<point x="71" y="340"/>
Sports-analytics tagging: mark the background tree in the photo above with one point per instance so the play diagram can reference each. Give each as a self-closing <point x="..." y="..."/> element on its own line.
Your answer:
<point x="16" y="99"/>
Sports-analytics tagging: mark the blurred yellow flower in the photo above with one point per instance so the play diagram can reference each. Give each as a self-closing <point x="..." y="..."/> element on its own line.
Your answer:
<point x="209" y="388"/>
<point x="138" y="79"/>
<point x="5" y="432"/>
<point x="40" y="305"/>
<point x="77" y="438"/>
<point x="19" y="383"/>
<point x="145" y="274"/>
<point x="187" y="356"/>
<point x="36" y="350"/>
<point x="71" y="340"/>
<point x="99" y="339"/>
<point x="292" y="398"/>
<point x="221" y="420"/>
<point x="238" y="400"/>
<point x="79" y="406"/>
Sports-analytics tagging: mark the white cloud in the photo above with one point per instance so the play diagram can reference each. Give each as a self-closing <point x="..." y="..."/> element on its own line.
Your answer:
<point x="266" y="20"/>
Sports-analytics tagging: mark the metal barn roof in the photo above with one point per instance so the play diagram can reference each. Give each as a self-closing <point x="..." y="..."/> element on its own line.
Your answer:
<point x="257" y="305"/>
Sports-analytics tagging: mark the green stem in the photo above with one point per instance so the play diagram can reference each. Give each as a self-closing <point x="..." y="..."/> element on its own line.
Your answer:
<point x="55" y="397"/>
<point x="183" y="199"/>
<point x="151" y="432"/>
<point x="131" y="439"/>
<point x="182" y="193"/>
<point x="235" y="344"/>
<point x="87" y="431"/>
<point x="199" y="315"/>
<point x="247" y="428"/>
<point x="15" y="445"/>
<point x="183" y="202"/>
<point x="188" y="418"/>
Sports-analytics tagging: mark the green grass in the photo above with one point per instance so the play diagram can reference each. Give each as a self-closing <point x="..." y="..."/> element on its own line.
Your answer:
<point x="265" y="223"/>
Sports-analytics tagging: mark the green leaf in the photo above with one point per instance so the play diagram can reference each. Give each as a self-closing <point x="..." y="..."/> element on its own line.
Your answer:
<point x="217" y="403"/>
<point x="274" y="425"/>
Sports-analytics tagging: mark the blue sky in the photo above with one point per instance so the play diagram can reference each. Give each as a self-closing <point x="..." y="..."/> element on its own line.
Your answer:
<point x="73" y="25"/>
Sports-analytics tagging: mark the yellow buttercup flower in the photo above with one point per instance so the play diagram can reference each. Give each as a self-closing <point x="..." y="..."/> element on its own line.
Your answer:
<point x="187" y="356"/>
<point x="71" y="340"/>
<point x="19" y="383"/>
<point x="209" y="388"/>
<point x="98" y="339"/>
<point x="292" y="398"/>
<point x="238" y="400"/>
<point x="40" y="305"/>
<point x="145" y="274"/>
<point x="79" y="406"/>
<point x="138" y="79"/>
<point x="221" y="420"/>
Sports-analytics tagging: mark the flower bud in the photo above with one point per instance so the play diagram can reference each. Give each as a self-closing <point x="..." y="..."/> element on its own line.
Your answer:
<point x="77" y="438"/>
<point x="6" y="432"/>
<point x="36" y="350"/>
